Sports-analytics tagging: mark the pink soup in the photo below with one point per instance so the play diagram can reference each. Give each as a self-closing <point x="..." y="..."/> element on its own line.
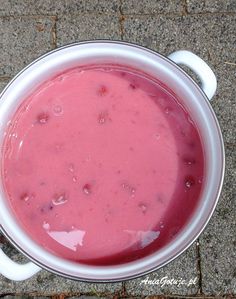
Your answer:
<point x="102" y="165"/>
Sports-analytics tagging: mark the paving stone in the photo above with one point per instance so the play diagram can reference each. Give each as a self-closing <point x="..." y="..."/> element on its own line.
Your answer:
<point x="224" y="102"/>
<point x="22" y="297"/>
<point x="11" y="251"/>
<point x="47" y="284"/>
<point x="217" y="48"/>
<point x="218" y="242"/>
<point x="22" y="40"/>
<point x="2" y="85"/>
<point x="85" y="27"/>
<point x="166" y="34"/>
<point x="198" y="6"/>
<point x="50" y="7"/>
<point x="87" y="297"/>
<point x="151" y="6"/>
<point x="183" y="268"/>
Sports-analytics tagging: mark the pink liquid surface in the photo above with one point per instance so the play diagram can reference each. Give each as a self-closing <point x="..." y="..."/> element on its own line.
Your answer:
<point x="102" y="165"/>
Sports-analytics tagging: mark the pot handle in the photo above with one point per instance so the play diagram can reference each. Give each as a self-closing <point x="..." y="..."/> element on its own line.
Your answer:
<point x="14" y="271"/>
<point x="200" y="67"/>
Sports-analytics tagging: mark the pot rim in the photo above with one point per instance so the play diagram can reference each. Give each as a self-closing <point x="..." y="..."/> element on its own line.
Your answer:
<point x="219" y="187"/>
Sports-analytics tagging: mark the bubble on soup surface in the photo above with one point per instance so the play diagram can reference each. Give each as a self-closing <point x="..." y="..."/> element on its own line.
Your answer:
<point x="43" y="118"/>
<point x="103" y="117"/>
<point x="161" y="224"/>
<point x="189" y="160"/>
<point x="25" y="196"/>
<point x="74" y="179"/>
<point x="59" y="199"/>
<point x="14" y="135"/>
<point x="167" y="110"/>
<point x="46" y="225"/>
<point x="129" y="189"/>
<point x="87" y="189"/>
<point x="189" y="181"/>
<point x="143" y="207"/>
<point x="200" y="181"/>
<point x="57" y="110"/>
<point x="71" y="167"/>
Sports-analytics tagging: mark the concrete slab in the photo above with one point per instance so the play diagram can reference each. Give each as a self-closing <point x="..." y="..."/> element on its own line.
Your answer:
<point x="22" y="297"/>
<point x="224" y="102"/>
<point x="2" y="84"/>
<point x="151" y="6"/>
<point x="87" y="26"/>
<point x="184" y="268"/>
<point x="166" y="34"/>
<point x="22" y="40"/>
<point x="218" y="242"/>
<point x="48" y="284"/>
<point x="210" y="35"/>
<point x="87" y="297"/>
<point x="48" y="7"/>
<point x="199" y="6"/>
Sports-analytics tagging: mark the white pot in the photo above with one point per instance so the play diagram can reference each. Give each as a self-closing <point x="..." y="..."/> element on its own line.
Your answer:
<point x="195" y="99"/>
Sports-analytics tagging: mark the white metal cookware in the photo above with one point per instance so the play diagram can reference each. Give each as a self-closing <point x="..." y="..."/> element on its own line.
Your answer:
<point x="194" y="98"/>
